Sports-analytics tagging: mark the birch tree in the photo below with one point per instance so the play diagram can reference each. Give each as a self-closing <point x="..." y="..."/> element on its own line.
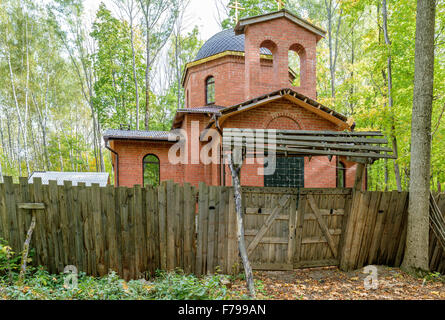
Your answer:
<point x="131" y="12"/>
<point x="158" y="18"/>
<point x="80" y="48"/>
<point x="334" y="20"/>
<point x="390" y="94"/>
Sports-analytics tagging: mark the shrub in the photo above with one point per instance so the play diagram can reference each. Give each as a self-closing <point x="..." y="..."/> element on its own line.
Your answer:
<point x="166" y="285"/>
<point x="178" y="286"/>
<point x="9" y="260"/>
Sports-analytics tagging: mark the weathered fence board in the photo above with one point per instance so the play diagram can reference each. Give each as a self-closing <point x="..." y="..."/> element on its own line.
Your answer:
<point x="376" y="231"/>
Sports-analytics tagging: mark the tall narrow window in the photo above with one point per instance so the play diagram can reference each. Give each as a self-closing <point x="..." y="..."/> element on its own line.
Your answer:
<point x="341" y="175"/>
<point x="210" y="90"/>
<point x="294" y="68"/>
<point x="297" y="64"/>
<point x="151" y="174"/>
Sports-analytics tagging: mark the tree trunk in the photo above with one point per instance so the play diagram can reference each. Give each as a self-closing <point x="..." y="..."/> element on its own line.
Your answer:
<point x="21" y="126"/>
<point x="60" y="154"/>
<point x="416" y="253"/>
<point x="19" y="158"/>
<point x="134" y="72"/>
<point x="99" y="143"/>
<point x="390" y="99"/>
<point x="2" y="138"/>
<point x="235" y="170"/>
<point x="333" y="47"/>
<point x="147" y="81"/>
<point x="10" y="143"/>
<point x="42" y="119"/>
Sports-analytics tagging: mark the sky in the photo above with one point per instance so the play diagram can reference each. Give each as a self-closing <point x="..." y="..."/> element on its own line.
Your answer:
<point x="203" y="13"/>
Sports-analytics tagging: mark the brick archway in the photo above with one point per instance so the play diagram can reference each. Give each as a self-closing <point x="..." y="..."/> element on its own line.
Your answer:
<point x="285" y="120"/>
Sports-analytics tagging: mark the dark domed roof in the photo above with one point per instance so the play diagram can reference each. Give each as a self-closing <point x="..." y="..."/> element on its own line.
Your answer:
<point x="224" y="41"/>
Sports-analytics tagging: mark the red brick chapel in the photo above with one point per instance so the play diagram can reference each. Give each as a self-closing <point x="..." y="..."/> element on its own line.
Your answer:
<point x="241" y="78"/>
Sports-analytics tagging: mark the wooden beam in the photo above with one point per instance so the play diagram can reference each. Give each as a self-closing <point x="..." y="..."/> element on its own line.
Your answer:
<point x="316" y="263"/>
<point x="298" y="151"/>
<point x="324" y="228"/>
<point x="31" y="206"/>
<point x="359" y="176"/>
<point x="334" y="145"/>
<point x="318" y="138"/>
<point x="317" y="133"/>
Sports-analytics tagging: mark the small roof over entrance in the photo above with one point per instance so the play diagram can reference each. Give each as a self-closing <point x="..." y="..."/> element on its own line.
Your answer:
<point x="88" y="178"/>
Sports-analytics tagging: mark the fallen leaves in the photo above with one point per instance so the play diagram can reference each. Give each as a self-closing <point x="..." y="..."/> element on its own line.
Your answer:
<point x="331" y="283"/>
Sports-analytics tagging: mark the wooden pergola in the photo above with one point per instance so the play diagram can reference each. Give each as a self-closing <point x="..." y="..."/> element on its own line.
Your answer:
<point x="360" y="147"/>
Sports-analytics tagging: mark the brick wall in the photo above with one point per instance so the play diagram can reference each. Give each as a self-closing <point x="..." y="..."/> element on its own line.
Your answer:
<point x="319" y="172"/>
<point x="228" y="73"/>
<point x="237" y="79"/>
<point x="279" y="36"/>
<point x="131" y="154"/>
<point x="227" y="70"/>
<point x="281" y="114"/>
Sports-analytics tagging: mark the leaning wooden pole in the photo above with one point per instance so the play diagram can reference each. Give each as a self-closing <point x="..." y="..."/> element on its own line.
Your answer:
<point x="26" y="250"/>
<point x="235" y="170"/>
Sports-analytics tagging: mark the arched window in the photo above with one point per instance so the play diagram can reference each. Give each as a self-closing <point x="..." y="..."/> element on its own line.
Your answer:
<point x="269" y="61"/>
<point x="341" y="175"/>
<point x="297" y="64"/>
<point x="150" y="167"/>
<point x="210" y="90"/>
<point x="294" y="68"/>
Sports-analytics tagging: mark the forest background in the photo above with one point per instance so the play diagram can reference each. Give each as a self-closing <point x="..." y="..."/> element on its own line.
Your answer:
<point x="65" y="78"/>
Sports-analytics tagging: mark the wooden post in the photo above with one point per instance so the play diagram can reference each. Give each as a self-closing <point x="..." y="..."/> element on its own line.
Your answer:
<point x="26" y="250"/>
<point x="235" y="170"/>
<point x="359" y="176"/>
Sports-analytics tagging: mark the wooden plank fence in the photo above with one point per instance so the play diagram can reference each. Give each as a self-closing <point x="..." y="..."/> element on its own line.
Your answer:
<point x="375" y="232"/>
<point x="135" y="231"/>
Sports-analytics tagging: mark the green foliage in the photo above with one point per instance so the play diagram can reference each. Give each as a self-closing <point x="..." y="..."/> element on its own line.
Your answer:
<point x="178" y="286"/>
<point x="166" y="285"/>
<point x="252" y="8"/>
<point x="434" y="276"/>
<point x="49" y="97"/>
<point x="361" y="76"/>
<point x="115" y="97"/>
<point x="9" y="260"/>
<point x="64" y="75"/>
<point x="182" y="50"/>
<point x="428" y="276"/>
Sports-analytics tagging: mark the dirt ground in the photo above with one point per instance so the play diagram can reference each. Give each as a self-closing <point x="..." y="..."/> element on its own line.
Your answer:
<point x="332" y="284"/>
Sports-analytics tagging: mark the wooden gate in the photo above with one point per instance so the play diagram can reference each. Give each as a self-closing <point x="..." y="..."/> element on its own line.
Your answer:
<point x="270" y="217"/>
<point x="320" y="223"/>
<point x="289" y="228"/>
